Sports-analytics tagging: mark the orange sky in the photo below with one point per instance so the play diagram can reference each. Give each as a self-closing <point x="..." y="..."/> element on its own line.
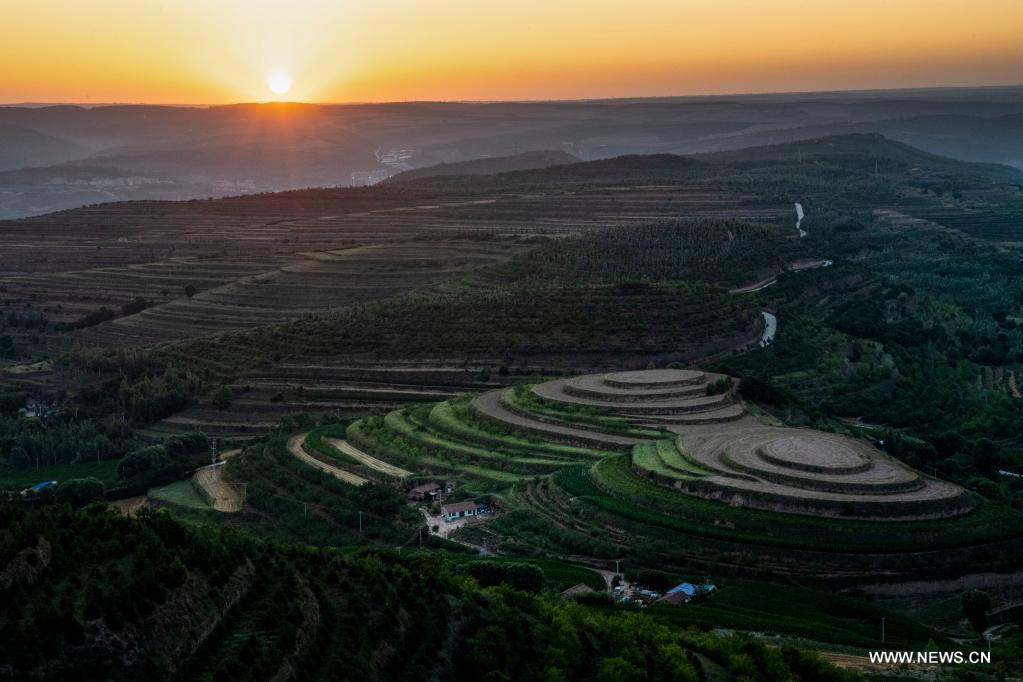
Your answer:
<point x="218" y="51"/>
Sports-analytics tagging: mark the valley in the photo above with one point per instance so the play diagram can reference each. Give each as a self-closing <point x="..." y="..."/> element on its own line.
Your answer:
<point x="629" y="362"/>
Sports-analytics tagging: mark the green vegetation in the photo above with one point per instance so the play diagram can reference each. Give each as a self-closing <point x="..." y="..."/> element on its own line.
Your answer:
<point x="224" y="605"/>
<point x="106" y="472"/>
<point x="296" y="502"/>
<point x="522" y="398"/>
<point x="914" y="337"/>
<point x="664" y="458"/>
<point x="821" y="617"/>
<point x="446" y="438"/>
<point x="179" y="494"/>
<point x="456" y="419"/>
<point x="916" y="334"/>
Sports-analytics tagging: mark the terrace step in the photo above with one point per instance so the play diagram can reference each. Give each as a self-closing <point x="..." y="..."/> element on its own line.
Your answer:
<point x="489" y="406"/>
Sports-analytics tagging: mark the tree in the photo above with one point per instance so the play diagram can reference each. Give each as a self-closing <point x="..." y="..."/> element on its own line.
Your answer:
<point x="617" y="669"/>
<point x="190" y="290"/>
<point x="79" y="492"/>
<point x="976" y="604"/>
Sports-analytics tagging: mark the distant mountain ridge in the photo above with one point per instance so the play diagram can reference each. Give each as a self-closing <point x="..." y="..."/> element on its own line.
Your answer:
<point x="200" y="152"/>
<point x="490" y="166"/>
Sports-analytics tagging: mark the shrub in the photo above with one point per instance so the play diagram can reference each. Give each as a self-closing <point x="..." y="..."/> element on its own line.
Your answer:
<point x="79" y="492"/>
<point x="520" y="576"/>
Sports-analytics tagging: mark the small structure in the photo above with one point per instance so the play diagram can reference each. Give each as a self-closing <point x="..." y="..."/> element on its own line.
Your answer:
<point x="36" y="410"/>
<point x="38" y="488"/>
<point x="424" y="491"/>
<point x="684" y="592"/>
<point x="457" y="510"/>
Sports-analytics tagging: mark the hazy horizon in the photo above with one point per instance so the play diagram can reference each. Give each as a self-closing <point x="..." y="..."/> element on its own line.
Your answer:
<point x="640" y="98"/>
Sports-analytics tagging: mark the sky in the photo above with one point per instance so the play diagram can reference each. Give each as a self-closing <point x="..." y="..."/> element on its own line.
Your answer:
<point x="222" y="51"/>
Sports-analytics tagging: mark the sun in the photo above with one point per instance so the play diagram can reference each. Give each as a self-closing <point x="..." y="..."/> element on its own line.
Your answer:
<point x="279" y="82"/>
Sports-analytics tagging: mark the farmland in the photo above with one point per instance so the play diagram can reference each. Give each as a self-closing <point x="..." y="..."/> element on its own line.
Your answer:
<point x="567" y="490"/>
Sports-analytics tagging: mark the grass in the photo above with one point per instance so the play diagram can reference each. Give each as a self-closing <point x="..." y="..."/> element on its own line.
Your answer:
<point x="179" y="494"/>
<point x="664" y="458"/>
<point x="454" y="418"/>
<point x="105" y="471"/>
<point x="414" y="430"/>
<point x="377" y="440"/>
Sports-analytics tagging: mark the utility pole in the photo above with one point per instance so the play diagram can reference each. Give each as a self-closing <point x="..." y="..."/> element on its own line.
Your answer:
<point x="882" y="628"/>
<point x="360" y="523"/>
<point x="213" y="451"/>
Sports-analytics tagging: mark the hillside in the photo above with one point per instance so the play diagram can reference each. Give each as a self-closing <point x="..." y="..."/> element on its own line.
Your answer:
<point x="493" y="166"/>
<point x="98" y="596"/>
<point x="487" y="250"/>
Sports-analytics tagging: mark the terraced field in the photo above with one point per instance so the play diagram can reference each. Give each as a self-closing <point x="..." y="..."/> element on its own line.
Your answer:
<point x="236" y="294"/>
<point x="335" y="385"/>
<point x="665" y="467"/>
<point x="259" y="259"/>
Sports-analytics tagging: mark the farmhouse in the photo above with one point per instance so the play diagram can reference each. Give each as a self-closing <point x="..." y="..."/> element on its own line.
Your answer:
<point x="424" y="491"/>
<point x="457" y="510"/>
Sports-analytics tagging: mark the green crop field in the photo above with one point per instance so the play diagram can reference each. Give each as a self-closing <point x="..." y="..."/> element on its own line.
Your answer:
<point x="179" y="494"/>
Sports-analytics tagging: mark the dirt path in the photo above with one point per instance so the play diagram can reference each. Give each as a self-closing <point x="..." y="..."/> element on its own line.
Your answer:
<point x="295" y="447"/>
<point x="369" y="460"/>
<point x="130" y="506"/>
<point x="226" y="496"/>
<point x="863" y="663"/>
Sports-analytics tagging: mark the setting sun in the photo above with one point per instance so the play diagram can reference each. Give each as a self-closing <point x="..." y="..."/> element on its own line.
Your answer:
<point x="279" y="82"/>
<point x="237" y="50"/>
